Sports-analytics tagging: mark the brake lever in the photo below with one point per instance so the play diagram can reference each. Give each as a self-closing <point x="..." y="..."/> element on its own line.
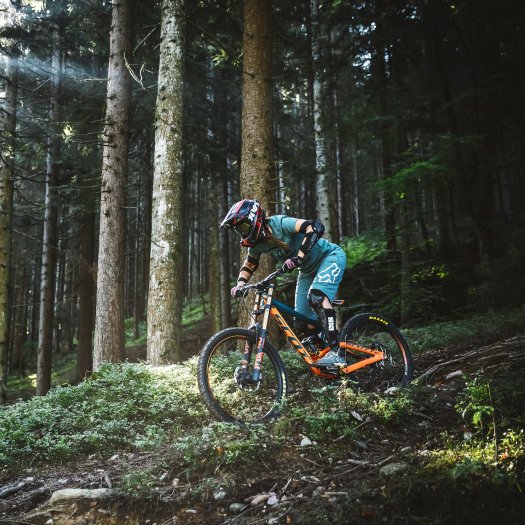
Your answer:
<point x="260" y="286"/>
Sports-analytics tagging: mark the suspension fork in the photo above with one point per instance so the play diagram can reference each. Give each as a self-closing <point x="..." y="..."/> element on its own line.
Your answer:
<point x="256" y="327"/>
<point x="262" y="334"/>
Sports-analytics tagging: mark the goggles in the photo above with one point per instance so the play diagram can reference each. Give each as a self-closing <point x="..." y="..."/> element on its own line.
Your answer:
<point x="243" y="228"/>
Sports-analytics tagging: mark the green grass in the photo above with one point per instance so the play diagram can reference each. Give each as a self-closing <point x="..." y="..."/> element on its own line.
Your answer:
<point x="158" y="411"/>
<point x="24" y="386"/>
<point x="193" y="310"/>
<point x="472" y="329"/>
<point x="124" y="407"/>
<point x="493" y="449"/>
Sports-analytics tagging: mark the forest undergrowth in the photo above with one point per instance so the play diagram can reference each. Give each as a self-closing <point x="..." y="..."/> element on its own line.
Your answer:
<point x="140" y="444"/>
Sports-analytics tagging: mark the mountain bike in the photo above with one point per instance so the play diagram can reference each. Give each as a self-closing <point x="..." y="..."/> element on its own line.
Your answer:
<point x="242" y="377"/>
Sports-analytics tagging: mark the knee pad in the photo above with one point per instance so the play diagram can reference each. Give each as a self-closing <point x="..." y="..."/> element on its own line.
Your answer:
<point x="315" y="299"/>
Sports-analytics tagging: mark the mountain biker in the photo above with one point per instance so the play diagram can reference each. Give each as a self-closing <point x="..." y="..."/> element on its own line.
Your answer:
<point x="297" y="244"/>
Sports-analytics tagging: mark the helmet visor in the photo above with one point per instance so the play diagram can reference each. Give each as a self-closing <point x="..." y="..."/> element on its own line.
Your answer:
<point x="243" y="228"/>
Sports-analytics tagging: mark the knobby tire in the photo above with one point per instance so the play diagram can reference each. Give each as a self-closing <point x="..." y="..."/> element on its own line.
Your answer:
<point x="375" y="331"/>
<point x="218" y="361"/>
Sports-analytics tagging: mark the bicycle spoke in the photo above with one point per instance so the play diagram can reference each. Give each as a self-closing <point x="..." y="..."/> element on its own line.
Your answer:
<point x="395" y="369"/>
<point x="230" y="387"/>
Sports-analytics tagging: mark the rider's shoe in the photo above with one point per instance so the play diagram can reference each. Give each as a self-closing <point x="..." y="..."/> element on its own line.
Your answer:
<point x="334" y="357"/>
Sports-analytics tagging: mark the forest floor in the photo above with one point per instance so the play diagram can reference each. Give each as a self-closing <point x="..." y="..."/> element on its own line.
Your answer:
<point x="428" y="466"/>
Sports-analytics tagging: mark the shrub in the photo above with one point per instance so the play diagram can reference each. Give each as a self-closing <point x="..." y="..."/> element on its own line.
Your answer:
<point x="363" y="248"/>
<point x="125" y="406"/>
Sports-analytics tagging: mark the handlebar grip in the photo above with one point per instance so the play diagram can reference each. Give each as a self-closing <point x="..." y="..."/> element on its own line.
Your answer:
<point x="242" y="292"/>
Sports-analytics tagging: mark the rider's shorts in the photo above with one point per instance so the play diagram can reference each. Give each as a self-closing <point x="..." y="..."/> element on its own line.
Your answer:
<point x="326" y="278"/>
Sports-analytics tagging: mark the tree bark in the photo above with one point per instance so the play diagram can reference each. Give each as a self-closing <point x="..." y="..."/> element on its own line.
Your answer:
<point x="7" y="168"/>
<point x="86" y="296"/>
<point x="405" y="262"/>
<point x="224" y="254"/>
<point x="49" y="253"/>
<point x="384" y="131"/>
<point x="109" y="318"/>
<point x="214" y="261"/>
<point x="220" y="162"/>
<point x="320" y="136"/>
<point x="19" y="316"/>
<point x="257" y="162"/>
<point x="257" y="159"/>
<point x="166" y="290"/>
<point x="147" y="179"/>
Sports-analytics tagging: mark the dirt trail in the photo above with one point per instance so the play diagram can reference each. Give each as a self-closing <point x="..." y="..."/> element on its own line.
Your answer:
<point x="381" y="481"/>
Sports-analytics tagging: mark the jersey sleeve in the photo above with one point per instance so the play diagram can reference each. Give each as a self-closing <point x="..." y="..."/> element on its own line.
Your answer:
<point x="288" y="225"/>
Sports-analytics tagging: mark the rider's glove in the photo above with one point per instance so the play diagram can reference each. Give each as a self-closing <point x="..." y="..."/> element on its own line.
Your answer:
<point x="236" y="291"/>
<point x="291" y="264"/>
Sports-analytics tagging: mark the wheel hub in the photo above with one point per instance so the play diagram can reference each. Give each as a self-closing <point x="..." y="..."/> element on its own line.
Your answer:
<point x="243" y="378"/>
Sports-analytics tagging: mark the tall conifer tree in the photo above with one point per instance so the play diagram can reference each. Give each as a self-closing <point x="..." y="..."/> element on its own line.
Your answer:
<point x="49" y="251"/>
<point x="166" y="262"/>
<point x="7" y="168"/>
<point x="109" y="317"/>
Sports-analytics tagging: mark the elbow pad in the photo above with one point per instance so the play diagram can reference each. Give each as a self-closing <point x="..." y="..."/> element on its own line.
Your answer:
<point x="311" y="237"/>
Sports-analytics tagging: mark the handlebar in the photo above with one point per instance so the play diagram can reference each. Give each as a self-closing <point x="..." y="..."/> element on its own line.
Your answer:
<point x="261" y="285"/>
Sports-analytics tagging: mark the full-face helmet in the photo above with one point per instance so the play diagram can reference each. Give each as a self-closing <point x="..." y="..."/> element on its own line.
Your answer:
<point x="246" y="217"/>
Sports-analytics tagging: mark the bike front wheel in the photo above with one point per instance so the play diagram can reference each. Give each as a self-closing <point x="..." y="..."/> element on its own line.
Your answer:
<point x="226" y="388"/>
<point x="375" y="332"/>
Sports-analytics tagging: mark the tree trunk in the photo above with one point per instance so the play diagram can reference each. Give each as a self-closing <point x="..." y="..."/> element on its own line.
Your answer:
<point x="355" y="187"/>
<point x="220" y="163"/>
<point x="405" y="262"/>
<point x="19" y="317"/>
<point x="320" y="136"/>
<point x="224" y="254"/>
<point x="109" y="318"/>
<point x="136" y="298"/>
<point x="35" y="294"/>
<point x="7" y="168"/>
<point x="166" y="292"/>
<point x="59" y="303"/>
<point x="337" y="207"/>
<point x="86" y="296"/>
<point x="214" y="261"/>
<point x="146" y="228"/>
<point x="257" y="160"/>
<point x="49" y="254"/>
<point x="384" y="131"/>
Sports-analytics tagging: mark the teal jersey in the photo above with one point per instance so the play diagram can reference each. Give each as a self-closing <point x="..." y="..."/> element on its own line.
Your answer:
<point x="283" y="228"/>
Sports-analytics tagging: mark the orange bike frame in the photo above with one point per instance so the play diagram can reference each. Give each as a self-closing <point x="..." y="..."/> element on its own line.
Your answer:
<point x="310" y="359"/>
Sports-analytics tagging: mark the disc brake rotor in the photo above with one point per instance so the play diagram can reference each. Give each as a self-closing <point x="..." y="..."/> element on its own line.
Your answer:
<point x="242" y="377"/>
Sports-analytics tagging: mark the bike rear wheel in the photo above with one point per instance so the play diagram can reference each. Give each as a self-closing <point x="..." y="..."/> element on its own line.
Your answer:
<point x="374" y="331"/>
<point x="229" y="395"/>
